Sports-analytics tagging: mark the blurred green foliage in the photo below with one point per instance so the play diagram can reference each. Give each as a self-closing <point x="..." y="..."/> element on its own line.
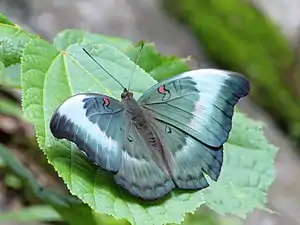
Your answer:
<point x="43" y="213"/>
<point x="10" y="108"/>
<point x="237" y="36"/>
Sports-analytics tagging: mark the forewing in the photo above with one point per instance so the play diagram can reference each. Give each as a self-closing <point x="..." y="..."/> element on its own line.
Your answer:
<point x="93" y="122"/>
<point x="140" y="172"/>
<point x="199" y="102"/>
<point x="188" y="158"/>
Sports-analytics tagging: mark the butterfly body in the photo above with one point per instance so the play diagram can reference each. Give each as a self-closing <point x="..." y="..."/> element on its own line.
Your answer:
<point x="170" y="137"/>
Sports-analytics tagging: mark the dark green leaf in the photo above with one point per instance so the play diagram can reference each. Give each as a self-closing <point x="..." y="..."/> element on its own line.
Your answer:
<point x="158" y="66"/>
<point x="77" y="214"/>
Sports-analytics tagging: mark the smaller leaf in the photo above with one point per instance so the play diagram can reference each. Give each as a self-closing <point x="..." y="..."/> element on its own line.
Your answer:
<point x="168" y="69"/>
<point x="203" y="216"/>
<point x="105" y="219"/>
<point x="12" y="41"/>
<point x="68" y="37"/>
<point x="158" y="66"/>
<point x="77" y="214"/>
<point x="12" y="181"/>
<point x="38" y="213"/>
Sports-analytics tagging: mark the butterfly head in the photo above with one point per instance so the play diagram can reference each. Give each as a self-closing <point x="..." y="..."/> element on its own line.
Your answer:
<point x="126" y="95"/>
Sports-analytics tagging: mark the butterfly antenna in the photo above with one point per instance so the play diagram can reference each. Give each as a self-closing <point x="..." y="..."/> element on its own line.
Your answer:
<point x="136" y="60"/>
<point x="102" y="67"/>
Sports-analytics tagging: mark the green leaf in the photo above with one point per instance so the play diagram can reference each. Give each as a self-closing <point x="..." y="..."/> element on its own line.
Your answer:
<point x="248" y="167"/>
<point x="68" y="37"/>
<point x="12" y="41"/>
<point x="10" y="76"/>
<point x="109" y="220"/>
<point x="40" y="213"/>
<point x="77" y="214"/>
<point x="202" y="216"/>
<point x="12" y="181"/>
<point x="158" y="66"/>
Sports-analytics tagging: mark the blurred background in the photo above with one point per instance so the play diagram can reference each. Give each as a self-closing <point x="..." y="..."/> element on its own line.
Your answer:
<point x="259" y="38"/>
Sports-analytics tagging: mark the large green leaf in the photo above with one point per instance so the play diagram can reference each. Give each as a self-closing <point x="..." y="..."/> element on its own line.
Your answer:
<point x="50" y="76"/>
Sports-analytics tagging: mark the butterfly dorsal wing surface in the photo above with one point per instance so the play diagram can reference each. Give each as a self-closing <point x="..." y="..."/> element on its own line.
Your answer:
<point x="170" y="137"/>
<point x="199" y="102"/>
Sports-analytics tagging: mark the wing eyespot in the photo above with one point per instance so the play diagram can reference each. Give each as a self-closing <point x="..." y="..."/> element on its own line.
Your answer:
<point x="168" y="129"/>
<point x="129" y="138"/>
<point x="106" y="104"/>
<point x="165" y="92"/>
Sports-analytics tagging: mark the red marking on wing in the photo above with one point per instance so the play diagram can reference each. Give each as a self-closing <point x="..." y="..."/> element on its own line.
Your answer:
<point x="161" y="89"/>
<point x="106" y="101"/>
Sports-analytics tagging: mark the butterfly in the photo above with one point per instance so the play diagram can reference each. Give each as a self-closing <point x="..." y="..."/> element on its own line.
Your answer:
<point x="169" y="138"/>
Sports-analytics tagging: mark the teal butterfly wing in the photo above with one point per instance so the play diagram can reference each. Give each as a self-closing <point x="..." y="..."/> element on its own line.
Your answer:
<point x="93" y="122"/>
<point x="193" y="114"/>
<point x="188" y="158"/>
<point x="101" y="128"/>
<point x="199" y="102"/>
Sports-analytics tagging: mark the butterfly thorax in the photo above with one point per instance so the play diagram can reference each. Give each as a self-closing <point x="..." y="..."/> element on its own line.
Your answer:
<point x="134" y="111"/>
